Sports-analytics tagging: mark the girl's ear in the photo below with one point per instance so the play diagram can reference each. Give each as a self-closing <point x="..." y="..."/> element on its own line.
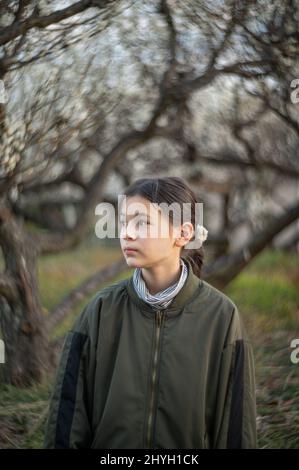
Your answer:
<point x="185" y="234"/>
<point x="187" y="230"/>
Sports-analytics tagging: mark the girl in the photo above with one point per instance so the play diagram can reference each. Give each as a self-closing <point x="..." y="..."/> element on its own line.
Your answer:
<point x="159" y="360"/>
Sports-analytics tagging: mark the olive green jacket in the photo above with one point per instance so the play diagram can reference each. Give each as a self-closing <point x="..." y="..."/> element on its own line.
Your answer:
<point x="130" y="377"/>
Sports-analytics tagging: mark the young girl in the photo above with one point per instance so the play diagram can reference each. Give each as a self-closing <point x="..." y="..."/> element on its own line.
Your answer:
<point x="160" y="360"/>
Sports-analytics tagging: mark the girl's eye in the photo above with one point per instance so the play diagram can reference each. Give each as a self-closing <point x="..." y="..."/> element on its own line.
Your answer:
<point x="140" y="222"/>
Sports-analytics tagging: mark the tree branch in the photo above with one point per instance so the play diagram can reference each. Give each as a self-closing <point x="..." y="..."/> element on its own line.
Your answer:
<point x="89" y="286"/>
<point x="8" y="288"/>
<point x="19" y="28"/>
<point x="224" y="269"/>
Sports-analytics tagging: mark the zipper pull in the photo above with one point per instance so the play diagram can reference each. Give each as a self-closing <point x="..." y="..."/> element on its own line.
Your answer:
<point x="159" y="316"/>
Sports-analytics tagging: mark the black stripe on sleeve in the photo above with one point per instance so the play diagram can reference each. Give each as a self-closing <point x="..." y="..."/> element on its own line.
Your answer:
<point x="66" y="406"/>
<point x="234" y="438"/>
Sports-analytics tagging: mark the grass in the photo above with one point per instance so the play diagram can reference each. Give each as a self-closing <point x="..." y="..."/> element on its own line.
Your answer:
<point x="267" y="297"/>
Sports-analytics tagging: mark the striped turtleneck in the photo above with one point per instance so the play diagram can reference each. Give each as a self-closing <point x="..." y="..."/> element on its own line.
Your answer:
<point x="163" y="298"/>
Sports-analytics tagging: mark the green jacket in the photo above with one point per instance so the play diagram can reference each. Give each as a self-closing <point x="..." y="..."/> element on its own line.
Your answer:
<point x="179" y="378"/>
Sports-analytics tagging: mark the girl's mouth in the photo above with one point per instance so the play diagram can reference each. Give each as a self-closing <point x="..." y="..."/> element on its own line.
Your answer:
<point x="130" y="250"/>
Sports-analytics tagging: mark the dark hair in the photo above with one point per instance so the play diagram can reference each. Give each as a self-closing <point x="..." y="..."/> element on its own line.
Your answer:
<point x="170" y="189"/>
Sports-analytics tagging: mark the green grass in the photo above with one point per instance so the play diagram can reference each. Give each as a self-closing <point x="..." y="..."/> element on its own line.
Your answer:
<point x="273" y="295"/>
<point x="267" y="297"/>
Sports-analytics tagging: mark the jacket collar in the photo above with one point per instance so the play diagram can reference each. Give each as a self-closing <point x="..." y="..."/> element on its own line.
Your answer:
<point x="184" y="296"/>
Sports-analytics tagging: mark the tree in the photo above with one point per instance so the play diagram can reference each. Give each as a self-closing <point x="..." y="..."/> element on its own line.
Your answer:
<point x="169" y="54"/>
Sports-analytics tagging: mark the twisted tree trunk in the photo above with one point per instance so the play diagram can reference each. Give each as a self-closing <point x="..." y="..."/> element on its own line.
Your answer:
<point x="27" y="353"/>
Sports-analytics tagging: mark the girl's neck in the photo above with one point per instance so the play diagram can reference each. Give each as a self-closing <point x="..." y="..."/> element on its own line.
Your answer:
<point x="160" y="277"/>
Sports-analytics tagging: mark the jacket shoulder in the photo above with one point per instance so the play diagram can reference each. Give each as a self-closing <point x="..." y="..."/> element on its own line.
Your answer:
<point x="106" y="292"/>
<point x="227" y="311"/>
<point x="89" y="318"/>
<point x="219" y="310"/>
<point x="218" y="299"/>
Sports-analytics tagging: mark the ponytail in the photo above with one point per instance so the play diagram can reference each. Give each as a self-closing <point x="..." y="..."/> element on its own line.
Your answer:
<point x="196" y="258"/>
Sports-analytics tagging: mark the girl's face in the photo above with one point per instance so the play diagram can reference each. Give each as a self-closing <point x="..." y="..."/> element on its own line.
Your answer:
<point x="144" y="228"/>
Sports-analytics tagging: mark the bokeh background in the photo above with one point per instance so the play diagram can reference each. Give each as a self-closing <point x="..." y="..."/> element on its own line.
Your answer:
<point x="95" y="94"/>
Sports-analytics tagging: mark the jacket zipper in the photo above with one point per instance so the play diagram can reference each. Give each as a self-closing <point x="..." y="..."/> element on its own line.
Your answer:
<point x="158" y="320"/>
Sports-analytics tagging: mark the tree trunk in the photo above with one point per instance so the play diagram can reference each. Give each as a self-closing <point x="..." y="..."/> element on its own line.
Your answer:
<point x="27" y="352"/>
<point x="224" y="269"/>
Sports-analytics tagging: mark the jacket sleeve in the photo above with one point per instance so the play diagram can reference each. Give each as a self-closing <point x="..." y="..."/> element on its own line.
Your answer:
<point x="235" y="417"/>
<point x="68" y="423"/>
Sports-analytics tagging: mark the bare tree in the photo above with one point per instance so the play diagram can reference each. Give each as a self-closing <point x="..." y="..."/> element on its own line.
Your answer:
<point x="170" y="52"/>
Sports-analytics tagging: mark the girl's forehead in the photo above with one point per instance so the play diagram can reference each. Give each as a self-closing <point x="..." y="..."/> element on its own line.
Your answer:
<point x="139" y="206"/>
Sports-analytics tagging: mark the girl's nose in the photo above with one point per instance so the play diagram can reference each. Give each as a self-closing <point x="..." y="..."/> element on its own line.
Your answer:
<point x="128" y="232"/>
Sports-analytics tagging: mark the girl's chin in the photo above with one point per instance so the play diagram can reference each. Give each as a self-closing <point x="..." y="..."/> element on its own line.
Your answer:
<point x="132" y="262"/>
